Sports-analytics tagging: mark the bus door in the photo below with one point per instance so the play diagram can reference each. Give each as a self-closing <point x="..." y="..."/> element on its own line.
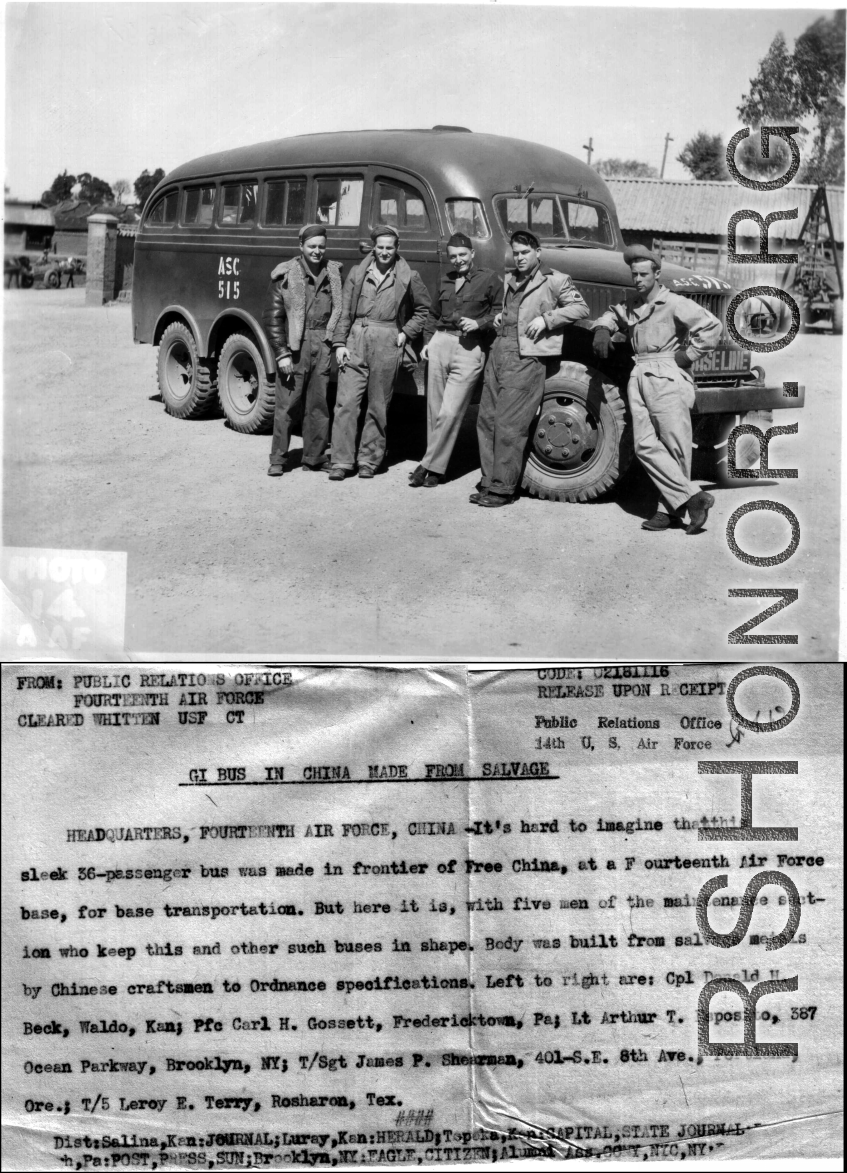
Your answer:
<point x="405" y="205"/>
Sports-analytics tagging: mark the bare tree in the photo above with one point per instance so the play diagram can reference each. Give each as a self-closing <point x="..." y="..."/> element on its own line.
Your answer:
<point x="120" y="187"/>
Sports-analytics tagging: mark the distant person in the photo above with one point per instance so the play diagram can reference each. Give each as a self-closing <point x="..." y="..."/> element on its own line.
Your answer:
<point x="385" y="307"/>
<point x="302" y="309"/>
<point x="70" y="270"/>
<point x="667" y="332"/>
<point x="537" y="304"/>
<point x="455" y="337"/>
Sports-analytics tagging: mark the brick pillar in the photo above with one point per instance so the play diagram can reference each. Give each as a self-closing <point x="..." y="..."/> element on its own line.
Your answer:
<point x="100" y="266"/>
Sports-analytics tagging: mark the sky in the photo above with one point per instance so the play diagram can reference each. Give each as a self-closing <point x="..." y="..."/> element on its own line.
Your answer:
<point x="116" y="88"/>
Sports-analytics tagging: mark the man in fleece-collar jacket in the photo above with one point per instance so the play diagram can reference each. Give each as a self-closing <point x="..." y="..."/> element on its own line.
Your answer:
<point x="302" y="310"/>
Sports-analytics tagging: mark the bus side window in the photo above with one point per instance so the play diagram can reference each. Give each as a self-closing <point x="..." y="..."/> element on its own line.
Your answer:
<point x="164" y="210"/>
<point x="286" y="203"/>
<point x="339" y="202"/>
<point x="468" y="216"/>
<point x="199" y="202"/>
<point x="238" y="205"/>
<point x="400" y="205"/>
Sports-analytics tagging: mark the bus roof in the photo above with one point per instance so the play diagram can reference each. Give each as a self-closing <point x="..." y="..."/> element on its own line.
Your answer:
<point x="454" y="161"/>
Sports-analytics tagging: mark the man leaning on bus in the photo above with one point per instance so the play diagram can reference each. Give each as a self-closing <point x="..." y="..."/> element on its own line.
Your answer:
<point x="537" y="304"/>
<point x="668" y="332"/>
<point x="385" y="306"/>
<point x="301" y="311"/>
<point x="456" y="338"/>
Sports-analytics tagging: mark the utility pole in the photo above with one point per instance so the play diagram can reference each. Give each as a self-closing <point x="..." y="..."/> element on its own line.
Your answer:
<point x="589" y="146"/>
<point x="668" y="139"/>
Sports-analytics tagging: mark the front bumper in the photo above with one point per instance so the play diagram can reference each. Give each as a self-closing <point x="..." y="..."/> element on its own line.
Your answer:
<point x="749" y="397"/>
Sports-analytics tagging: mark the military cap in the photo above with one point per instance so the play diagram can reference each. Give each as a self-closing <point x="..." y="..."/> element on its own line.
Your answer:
<point x="523" y="236"/>
<point x="311" y="230"/>
<point x="639" y="252"/>
<point x="459" y="240"/>
<point x="385" y="230"/>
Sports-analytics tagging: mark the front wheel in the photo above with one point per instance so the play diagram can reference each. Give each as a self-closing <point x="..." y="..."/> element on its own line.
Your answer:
<point x="247" y="395"/>
<point x="52" y="280"/>
<point x="186" y="383"/>
<point x="583" y="440"/>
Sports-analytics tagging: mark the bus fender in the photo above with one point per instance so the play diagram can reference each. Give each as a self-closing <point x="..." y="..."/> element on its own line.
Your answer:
<point x="255" y="329"/>
<point x="173" y="312"/>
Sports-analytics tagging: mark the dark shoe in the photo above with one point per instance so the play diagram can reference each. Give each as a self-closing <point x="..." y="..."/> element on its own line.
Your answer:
<point x="418" y="477"/>
<point x="433" y="480"/>
<point x="492" y="501"/>
<point x="338" y="474"/>
<point x="660" y="521"/>
<point x="366" y="473"/>
<point x="698" y="508"/>
<point x="476" y="497"/>
<point x="275" y="470"/>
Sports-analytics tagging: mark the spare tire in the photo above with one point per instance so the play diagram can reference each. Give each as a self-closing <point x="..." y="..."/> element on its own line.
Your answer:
<point x="186" y="382"/>
<point x="247" y="395"/>
<point x="582" y="444"/>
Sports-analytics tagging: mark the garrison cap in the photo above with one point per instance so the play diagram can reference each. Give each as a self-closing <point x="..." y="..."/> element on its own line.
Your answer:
<point x="385" y="230"/>
<point x="311" y="230"/>
<point x="523" y="236"/>
<point x="639" y="252"/>
<point x="459" y="240"/>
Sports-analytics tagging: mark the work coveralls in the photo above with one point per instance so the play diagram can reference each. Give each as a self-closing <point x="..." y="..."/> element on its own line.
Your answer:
<point x="661" y="394"/>
<point x="517" y="371"/>
<point x="371" y="320"/>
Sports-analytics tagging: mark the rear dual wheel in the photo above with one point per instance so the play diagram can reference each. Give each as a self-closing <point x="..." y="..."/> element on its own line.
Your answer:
<point x="246" y="394"/>
<point x="186" y="382"/>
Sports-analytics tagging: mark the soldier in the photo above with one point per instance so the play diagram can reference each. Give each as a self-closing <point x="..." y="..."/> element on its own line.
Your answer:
<point x="301" y="311"/>
<point x="668" y="333"/>
<point x="455" y="338"/>
<point x="537" y="304"/>
<point x="385" y="306"/>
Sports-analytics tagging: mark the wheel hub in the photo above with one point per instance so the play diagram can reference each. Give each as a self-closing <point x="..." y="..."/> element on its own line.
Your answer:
<point x="567" y="434"/>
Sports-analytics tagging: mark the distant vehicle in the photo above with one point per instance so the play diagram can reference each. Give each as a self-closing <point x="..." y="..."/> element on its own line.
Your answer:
<point x="213" y="229"/>
<point x="53" y="270"/>
<point x="815" y="281"/>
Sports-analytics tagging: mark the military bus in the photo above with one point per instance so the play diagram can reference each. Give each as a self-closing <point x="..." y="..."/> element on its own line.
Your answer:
<point x="213" y="229"/>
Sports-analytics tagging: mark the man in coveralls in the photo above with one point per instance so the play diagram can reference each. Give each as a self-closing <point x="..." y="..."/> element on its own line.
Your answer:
<point x="668" y="332"/>
<point x="301" y="311"/>
<point x="537" y="304"/>
<point x="385" y="306"/>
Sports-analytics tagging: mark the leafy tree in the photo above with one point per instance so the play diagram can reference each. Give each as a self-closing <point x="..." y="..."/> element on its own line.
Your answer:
<point x="704" y="156"/>
<point x="804" y="86"/>
<point x="60" y="189"/>
<point x="120" y="187"/>
<point x="625" y="169"/>
<point x="93" y="190"/>
<point x="145" y="184"/>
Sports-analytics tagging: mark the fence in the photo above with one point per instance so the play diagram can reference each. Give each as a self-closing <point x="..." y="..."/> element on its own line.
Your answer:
<point x="712" y="261"/>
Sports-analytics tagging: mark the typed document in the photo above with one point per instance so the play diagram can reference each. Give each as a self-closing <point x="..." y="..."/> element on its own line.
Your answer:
<point x="269" y="916"/>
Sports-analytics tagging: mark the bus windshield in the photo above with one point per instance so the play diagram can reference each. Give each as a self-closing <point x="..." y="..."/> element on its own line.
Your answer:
<point x="556" y="219"/>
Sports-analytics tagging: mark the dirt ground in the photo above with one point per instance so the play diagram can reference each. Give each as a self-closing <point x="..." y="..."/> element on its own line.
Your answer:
<point x="225" y="560"/>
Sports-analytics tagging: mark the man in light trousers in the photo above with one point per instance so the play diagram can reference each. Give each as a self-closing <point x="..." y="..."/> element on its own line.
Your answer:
<point x="455" y="345"/>
<point x="668" y="333"/>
